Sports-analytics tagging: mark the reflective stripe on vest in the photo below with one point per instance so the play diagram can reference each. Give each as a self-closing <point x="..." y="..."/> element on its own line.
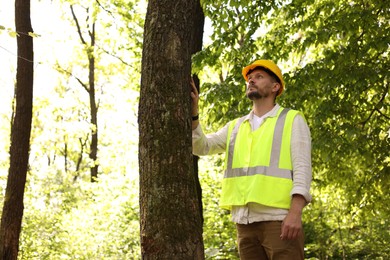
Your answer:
<point x="269" y="184"/>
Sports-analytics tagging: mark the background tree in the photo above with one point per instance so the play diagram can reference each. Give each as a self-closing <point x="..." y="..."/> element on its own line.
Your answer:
<point x="171" y="226"/>
<point x="11" y="219"/>
<point x="89" y="48"/>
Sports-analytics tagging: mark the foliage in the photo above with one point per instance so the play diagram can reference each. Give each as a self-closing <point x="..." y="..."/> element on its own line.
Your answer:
<point x="80" y="220"/>
<point x="336" y="230"/>
<point x="219" y="231"/>
<point x="234" y="23"/>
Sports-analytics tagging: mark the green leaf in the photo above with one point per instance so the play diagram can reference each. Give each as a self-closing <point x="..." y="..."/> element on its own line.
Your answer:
<point x="34" y="35"/>
<point x="13" y="34"/>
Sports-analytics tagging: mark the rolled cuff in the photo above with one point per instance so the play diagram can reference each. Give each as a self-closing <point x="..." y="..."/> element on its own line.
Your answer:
<point x="303" y="192"/>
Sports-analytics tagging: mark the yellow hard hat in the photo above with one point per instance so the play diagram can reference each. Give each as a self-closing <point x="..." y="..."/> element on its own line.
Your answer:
<point x="268" y="64"/>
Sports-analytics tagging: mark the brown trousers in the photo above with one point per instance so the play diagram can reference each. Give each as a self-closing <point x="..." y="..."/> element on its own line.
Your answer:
<point x="261" y="240"/>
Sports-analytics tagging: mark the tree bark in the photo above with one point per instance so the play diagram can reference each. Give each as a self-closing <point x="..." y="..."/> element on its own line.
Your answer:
<point x="197" y="42"/>
<point x="13" y="207"/>
<point x="171" y="225"/>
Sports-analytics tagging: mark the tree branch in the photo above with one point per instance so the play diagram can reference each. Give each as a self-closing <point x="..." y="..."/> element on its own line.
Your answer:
<point x="116" y="57"/>
<point x="60" y="69"/>
<point x="105" y="9"/>
<point x="376" y="107"/>
<point x="77" y="25"/>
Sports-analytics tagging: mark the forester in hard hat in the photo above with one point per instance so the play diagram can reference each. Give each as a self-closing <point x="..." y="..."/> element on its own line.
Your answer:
<point x="267" y="171"/>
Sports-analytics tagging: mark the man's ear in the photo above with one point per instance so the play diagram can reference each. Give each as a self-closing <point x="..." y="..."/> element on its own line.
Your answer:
<point x="276" y="87"/>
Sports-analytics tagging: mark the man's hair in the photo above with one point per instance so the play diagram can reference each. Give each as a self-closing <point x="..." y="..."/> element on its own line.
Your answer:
<point x="273" y="75"/>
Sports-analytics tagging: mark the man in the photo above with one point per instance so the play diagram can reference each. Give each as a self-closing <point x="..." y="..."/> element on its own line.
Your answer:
<point x="267" y="167"/>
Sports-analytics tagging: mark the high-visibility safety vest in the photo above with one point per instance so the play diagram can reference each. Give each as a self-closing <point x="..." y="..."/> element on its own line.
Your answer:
<point x="258" y="165"/>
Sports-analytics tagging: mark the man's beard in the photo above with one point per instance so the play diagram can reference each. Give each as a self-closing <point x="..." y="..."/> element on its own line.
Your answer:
<point x="255" y="95"/>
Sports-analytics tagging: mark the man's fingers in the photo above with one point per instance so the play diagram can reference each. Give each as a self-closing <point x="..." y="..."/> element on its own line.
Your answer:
<point x="283" y="232"/>
<point x="293" y="234"/>
<point x="194" y="89"/>
<point x="289" y="232"/>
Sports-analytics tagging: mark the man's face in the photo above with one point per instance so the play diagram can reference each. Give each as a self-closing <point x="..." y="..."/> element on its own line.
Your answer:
<point x="259" y="85"/>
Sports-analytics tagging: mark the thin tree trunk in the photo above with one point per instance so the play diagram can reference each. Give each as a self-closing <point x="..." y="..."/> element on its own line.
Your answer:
<point x="11" y="219"/>
<point x="93" y="107"/>
<point x="171" y="225"/>
<point x="90" y="88"/>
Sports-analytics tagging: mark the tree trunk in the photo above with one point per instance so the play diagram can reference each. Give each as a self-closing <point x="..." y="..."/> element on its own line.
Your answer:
<point x="171" y="225"/>
<point x="90" y="87"/>
<point x="92" y="103"/>
<point x="12" y="215"/>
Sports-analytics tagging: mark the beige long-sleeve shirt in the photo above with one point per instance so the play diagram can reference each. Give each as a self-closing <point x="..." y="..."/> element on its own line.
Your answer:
<point x="301" y="160"/>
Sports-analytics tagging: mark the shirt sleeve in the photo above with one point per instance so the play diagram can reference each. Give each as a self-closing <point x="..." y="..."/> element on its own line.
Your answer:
<point x="301" y="158"/>
<point x="209" y="144"/>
